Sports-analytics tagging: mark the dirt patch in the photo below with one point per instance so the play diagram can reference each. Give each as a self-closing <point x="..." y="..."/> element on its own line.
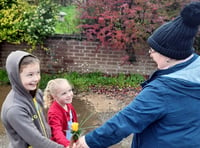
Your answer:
<point x="109" y="102"/>
<point x="101" y="103"/>
<point x="106" y="106"/>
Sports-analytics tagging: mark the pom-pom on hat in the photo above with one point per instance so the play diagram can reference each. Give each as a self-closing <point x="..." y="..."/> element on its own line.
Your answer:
<point x="175" y="39"/>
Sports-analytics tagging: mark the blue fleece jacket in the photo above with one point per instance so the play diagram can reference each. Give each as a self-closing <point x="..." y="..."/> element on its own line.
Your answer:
<point x="165" y="114"/>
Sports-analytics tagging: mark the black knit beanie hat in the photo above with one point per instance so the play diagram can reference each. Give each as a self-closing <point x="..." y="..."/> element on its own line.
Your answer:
<point x="175" y="38"/>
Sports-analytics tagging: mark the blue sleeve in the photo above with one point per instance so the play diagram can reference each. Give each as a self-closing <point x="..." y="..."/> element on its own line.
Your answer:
<point x="147" y="107"/>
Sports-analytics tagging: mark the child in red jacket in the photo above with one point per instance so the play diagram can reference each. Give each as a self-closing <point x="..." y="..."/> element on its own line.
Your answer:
<point x="58" y="97"/>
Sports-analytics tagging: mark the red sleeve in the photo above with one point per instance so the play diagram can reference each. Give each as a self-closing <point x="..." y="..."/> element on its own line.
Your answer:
<point x="56" y="122"/>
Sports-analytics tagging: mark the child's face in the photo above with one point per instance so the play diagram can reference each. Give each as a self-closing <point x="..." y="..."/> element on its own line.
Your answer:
<point x="64" y="94"/>
<point x="30" y="76"/>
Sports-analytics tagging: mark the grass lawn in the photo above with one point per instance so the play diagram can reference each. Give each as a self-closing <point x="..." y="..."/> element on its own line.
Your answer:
<point x="70" y="21"/>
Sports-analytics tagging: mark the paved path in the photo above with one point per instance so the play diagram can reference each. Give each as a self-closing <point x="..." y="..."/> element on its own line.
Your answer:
<point x="3" y="141"/>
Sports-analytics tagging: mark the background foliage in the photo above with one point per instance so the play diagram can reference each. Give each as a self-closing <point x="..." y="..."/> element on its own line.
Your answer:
<point x="25" y="22"/>
<point x="116" y="24"/>
<point x="86" y="81"/>
<point x="4" y="4"/>
<point x="125" y="24"/>
<point x="71" y="21"/>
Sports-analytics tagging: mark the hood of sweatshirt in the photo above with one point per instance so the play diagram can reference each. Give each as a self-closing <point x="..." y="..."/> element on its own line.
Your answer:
<point x="12" y="67"/>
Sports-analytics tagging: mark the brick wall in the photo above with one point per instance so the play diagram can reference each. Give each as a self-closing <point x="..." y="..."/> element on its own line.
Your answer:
<point x="72" y="54"/>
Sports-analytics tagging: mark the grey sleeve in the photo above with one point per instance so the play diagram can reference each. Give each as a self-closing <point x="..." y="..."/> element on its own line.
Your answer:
<point x="23" y="125"/>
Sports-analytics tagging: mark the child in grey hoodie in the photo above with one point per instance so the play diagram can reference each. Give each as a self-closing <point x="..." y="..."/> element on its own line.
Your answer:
<point x="22" y="111"/>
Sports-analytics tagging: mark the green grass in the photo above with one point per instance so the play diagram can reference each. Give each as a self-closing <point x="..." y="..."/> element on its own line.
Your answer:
<point x="71" y="21"/>
<point x="84" y="81"/>
<point x="3" y="77"/>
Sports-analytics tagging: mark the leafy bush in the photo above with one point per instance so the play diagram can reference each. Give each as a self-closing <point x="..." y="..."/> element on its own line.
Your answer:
<point x="6" y="3"/>
<point x="22" y="22"/>
<point x="10" y="19"/>
<point x="39" y="23"/>
<point x="124" y="24"/>
<point x="33" y="22"/>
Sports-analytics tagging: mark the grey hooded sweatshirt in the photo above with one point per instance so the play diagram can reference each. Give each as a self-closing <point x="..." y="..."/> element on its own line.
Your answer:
<point x="18" y="113"/>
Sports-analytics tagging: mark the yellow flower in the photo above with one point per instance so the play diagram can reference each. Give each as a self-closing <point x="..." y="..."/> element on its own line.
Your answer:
<point x="75" y="126"/>
<point x="76" y="131"/>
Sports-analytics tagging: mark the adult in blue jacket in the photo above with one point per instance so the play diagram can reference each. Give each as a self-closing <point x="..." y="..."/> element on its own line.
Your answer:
<point x="166" y="113"/>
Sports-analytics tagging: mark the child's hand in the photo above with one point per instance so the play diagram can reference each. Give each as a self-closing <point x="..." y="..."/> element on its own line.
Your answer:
<point x="72" y="144"/>
<point x="81" y="143"/>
